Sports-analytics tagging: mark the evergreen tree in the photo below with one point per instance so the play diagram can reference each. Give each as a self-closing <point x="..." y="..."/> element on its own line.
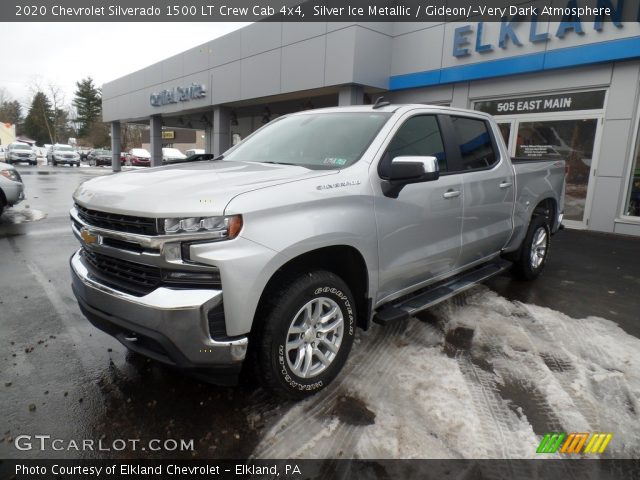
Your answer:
<point x="39" y="120"/>
<point x="88" y="103"/>
<point x="10" y="112"/>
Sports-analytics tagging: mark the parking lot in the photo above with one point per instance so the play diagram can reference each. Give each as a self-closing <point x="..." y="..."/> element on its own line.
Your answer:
<point x="483" y="375"/>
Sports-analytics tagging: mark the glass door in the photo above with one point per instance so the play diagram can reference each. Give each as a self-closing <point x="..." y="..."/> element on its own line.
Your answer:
<point x="505" y="130"/>
<point x="572" y="140"/>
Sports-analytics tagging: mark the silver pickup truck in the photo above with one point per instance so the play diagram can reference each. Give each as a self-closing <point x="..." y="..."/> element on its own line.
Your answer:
<point x="320" y="222"/>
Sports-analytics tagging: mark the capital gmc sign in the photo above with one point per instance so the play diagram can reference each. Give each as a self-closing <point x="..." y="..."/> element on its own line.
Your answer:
<point x="178" y="94"/>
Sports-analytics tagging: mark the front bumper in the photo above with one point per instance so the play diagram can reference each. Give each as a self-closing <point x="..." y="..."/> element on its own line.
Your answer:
<point x="168" y="325"/>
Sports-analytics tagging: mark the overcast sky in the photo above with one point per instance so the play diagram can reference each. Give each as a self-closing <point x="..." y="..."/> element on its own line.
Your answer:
<point x="64" y="53"/>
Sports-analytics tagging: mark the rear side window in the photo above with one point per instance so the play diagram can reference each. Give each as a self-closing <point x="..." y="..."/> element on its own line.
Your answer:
<point x="475" y="144"/>
<point x="418" y="136"/>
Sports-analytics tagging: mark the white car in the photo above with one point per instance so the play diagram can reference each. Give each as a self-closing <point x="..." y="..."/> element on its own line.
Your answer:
<point x="194" y="151"/>
<point x="172" y="155"/>
<point x="11" y="186"/>
<point x="20" y="152"/>
<point x="63" y="154"/>
<point x="3" y="156"/>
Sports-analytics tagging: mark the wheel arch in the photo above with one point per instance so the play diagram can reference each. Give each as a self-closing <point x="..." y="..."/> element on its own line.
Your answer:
<point x="547" y="207"/>
<point x="344" y="261"/>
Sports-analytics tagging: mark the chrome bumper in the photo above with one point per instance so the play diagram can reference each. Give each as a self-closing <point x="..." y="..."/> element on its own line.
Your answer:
<point x="167" y="324"/>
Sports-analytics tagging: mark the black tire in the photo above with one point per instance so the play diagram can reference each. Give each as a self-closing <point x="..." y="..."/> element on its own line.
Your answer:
<point x="269" y="354"/>
<point x="3" y="204"/>
<point x="526" y="266"/>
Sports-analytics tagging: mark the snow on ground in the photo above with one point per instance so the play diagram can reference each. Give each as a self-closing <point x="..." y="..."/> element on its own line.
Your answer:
<point x="22" y="215"/>
<point x="478" y="376"/>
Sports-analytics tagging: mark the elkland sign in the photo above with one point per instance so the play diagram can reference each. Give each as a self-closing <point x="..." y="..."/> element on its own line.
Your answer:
<point x="178" y="94"/>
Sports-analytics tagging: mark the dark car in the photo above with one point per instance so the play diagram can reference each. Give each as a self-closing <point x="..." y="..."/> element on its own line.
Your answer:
<point x="100" y="157"/>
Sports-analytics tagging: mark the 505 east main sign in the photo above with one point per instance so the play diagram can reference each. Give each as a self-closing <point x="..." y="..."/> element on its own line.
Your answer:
<point x="178" y="94"/>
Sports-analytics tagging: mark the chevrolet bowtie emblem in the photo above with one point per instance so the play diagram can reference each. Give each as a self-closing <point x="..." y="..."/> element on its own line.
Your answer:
<point x="88" y="237"/>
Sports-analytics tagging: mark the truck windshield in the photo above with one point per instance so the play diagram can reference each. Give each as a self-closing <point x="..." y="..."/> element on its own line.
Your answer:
<point x="319" y="141"/>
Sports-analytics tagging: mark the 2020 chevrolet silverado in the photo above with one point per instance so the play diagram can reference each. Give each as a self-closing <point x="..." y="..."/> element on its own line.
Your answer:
<point x="320" y="222"/>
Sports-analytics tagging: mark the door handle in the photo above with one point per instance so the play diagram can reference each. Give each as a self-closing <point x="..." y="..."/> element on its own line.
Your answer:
<point x="451" y="194"/>
<point x="505" y="184"/>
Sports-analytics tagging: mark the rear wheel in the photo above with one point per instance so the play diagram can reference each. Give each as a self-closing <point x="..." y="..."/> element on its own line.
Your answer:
<point x="306" y="336"/>
<point x="534" y="250"/>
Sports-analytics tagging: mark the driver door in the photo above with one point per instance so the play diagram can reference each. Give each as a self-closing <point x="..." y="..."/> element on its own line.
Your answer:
<point x="419" y="232"/>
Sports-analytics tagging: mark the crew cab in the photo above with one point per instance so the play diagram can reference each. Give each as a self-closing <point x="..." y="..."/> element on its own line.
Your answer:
<point x="320" y="222"/>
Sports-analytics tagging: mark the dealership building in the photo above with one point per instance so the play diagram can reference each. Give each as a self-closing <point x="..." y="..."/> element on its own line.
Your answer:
<point x="566" y="90"/>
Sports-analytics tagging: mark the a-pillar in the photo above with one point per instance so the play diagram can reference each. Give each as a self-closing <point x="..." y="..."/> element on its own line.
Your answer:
<point x="220" y="132"/>
<point x="351" y="95"/>
<point x="155" y="135"/>
<point x="115" y="146"/>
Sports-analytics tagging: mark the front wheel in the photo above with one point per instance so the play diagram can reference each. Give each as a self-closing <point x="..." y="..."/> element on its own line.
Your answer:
<point x="535" y="249"/>
<point x="306" y="336"/>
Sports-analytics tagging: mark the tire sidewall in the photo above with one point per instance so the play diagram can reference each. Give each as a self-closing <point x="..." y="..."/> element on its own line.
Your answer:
<point x="323" y="285"/>
<point x="536" y="224"/>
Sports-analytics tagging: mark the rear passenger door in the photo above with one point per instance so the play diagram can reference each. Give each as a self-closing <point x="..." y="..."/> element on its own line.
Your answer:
<point x="488" y="188"/>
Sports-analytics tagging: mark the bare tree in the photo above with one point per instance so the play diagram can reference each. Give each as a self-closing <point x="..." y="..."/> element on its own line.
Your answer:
<point x="59" y="107"/>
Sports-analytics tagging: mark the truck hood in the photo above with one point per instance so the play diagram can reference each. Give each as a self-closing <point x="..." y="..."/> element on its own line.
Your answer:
<point x="191" y="189"/>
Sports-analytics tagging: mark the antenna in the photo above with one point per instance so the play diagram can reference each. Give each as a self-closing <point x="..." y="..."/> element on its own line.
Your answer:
<point x="380" y="102"/>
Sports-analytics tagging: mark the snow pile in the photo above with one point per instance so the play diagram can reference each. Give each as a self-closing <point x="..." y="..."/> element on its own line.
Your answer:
<point x="15" y="215"/>
<point x="478" y="377"/>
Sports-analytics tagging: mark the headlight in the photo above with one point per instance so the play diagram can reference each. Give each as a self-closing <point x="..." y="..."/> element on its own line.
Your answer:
<point x="10" y="174"/>
<point x="226" y="227"/>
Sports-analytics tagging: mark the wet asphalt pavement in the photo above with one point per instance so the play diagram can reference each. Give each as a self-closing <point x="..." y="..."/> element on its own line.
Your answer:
<point x="60" y="376"/>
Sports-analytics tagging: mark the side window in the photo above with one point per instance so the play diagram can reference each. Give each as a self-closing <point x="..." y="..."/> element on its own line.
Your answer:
<point x="418" y="136"/>
<point x="474" y="141"/>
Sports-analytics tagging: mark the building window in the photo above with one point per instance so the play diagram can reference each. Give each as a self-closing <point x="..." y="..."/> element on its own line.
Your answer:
<point x="632" y="207"/>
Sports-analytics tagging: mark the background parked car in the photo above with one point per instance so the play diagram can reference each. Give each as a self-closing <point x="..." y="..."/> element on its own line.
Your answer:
<point x="139" y="157"/>
<point x="3" y="157"/>
<point x="99" y="157"/>
<point x="20" y="152"/>
<point x="11" y="186"/>
<point x="194" y="151"/>
<point x="172" y="155"/>
<point x="58" y="154"/>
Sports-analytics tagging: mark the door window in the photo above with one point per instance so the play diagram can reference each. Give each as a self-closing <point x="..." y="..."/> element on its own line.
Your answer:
<point x="418" y="136"/>
<point x="505" y="131"/>
<point x="475" y="144"/>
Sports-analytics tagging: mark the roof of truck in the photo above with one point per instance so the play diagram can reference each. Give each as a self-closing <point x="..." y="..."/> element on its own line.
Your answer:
<point x="392" y="108"/>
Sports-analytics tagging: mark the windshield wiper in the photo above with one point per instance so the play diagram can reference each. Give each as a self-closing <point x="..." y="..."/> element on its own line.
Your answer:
<point x="285" y="163"/>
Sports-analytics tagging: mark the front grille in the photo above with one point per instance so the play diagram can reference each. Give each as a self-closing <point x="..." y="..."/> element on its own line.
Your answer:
<point x="140" y="279"/>
<point x="118" y="222"/>
<point x="130" y="277"/>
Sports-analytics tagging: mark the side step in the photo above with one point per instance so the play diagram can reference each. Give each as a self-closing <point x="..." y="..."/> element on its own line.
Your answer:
<point x="424" y="299"/>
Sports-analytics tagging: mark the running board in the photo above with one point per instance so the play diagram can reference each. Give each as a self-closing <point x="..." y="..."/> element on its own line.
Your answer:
<point x="407" y="307"/>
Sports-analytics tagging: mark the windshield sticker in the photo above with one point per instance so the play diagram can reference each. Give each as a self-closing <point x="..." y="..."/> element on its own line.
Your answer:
<point x="334" y="161"/>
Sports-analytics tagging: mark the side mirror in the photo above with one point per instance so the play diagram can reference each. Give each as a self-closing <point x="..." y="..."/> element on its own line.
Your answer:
<point x="410" y="169"/>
